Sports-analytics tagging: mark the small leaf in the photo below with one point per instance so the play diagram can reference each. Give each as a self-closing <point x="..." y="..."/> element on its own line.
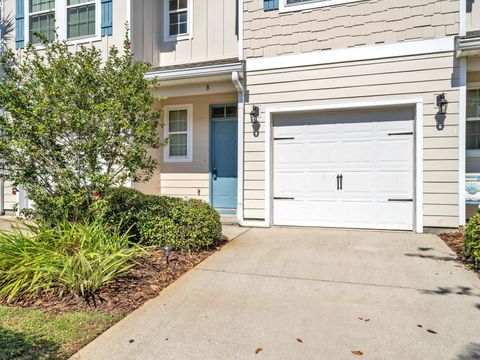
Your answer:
<point x="258" y="350"/>
<point x="300" y="340"/>
<point x="357" y="352"/>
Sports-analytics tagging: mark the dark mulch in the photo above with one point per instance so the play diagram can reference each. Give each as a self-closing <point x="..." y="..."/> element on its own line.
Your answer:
<point x="454" y="240"/>
<point x="127" y="293"/>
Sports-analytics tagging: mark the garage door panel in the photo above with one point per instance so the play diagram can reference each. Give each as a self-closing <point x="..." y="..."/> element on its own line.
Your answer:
<point x="357" y="153"/>
<point x="395" y="183"/>
<point x="357" y="183"/>
<point x="320" y="184"/>
<point x="366" y="148"/>
<point x="395" y="151"/>
<point x="289" y="184"/>
<point x="322" y="153"/>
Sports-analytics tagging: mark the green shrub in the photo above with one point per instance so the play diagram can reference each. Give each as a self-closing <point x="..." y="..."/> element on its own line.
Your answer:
<point x="472" y="240"/>
<point x="188" y="225"/>
<point x="76" y="258"/>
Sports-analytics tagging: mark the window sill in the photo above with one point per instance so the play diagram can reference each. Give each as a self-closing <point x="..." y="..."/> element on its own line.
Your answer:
<point x="311" y="5"/>
<point x="177" y="160"/>
<point x="178" y="38"/>
<point x="83" y="40"/>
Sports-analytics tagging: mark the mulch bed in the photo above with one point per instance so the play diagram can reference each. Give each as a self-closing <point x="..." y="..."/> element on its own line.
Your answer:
<point x="454" y="240"/>
<point x="129" y="292"/>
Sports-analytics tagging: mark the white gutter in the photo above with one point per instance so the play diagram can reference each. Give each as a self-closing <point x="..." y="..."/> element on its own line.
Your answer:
<point x="177" y="74"/>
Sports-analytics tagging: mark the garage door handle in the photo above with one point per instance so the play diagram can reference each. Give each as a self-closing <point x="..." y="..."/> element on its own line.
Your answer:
<point x="283" y="198"/>
<point x="341" y="182"/>
<point x="338" y="182"/>
<point x="399" y="200"/>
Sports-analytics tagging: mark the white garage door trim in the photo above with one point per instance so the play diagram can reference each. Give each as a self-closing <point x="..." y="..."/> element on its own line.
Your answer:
<point x="418" y="191"/>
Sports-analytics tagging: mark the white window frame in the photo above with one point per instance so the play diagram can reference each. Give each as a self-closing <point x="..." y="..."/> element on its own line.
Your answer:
<point x="166" y="149"/>
<point x="97" y="10"/>
<point x="61" y="23"/>
<point x="473" y="152"/>
<point x="166" y="23"/>
<point x="284" y="7"/>
<point x="28" y="14"/>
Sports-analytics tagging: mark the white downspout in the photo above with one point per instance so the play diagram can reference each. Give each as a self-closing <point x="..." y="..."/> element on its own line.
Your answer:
<point x="237" y="82"/>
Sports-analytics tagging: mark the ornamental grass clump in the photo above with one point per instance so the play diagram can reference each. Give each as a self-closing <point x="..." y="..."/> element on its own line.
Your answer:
<point x="72" y="258"/>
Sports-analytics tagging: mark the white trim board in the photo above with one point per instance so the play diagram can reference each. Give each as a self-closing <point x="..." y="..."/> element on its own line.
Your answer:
<point x="406" y="48"/>
<point x="283" y="7"/>
<point x="417" y="102"/>
<point x="462" y="134"/>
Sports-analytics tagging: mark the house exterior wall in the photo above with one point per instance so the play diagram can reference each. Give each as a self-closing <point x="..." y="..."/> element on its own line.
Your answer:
<point x="188" y="179"/>
<point x="213" y="34"/>
<point x="120" y="16"/>
<point x="359" y="23"/>
<point x="405" y="77"/>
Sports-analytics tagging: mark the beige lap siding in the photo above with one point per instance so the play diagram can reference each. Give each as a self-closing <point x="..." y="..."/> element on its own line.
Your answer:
<point x="365" y="22"/>
<point x="188" y="179"/>
<point x="407" y="77"/>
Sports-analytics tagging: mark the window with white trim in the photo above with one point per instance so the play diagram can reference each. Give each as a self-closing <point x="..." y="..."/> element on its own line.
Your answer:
<point x="41" y="19"/>
<point x="178" y="130"/>
<point x="74" y="20"/>
<point x="177" y="19"/>
<point x="81" y="19"/>
<point x="473" y="119"/>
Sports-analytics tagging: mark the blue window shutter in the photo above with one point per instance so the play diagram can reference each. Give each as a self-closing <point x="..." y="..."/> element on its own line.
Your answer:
<point x="107" y="18"/>
<point x="269" y="5"/>
<point x="19" y="24"/>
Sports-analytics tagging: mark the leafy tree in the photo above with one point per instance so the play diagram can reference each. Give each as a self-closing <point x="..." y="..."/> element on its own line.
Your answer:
<point x="75" y="125"/>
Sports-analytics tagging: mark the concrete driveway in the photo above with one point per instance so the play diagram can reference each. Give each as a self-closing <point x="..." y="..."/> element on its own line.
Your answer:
<point x="309" y="294"/>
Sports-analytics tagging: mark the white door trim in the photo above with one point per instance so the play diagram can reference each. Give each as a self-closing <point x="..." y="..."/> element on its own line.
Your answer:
<point x="418" y="191"/>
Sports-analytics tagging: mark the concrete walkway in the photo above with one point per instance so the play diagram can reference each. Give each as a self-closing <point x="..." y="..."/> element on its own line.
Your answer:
<point x="309" y="294"/>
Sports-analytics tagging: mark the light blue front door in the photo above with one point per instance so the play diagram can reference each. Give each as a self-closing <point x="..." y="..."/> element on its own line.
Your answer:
<point x="223" y="158"/>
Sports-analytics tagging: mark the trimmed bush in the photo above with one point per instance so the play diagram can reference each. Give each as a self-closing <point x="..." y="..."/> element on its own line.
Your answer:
<point x="472" y="240"/>
<point x="76" y="258"/>
<point x="187" y="225"/>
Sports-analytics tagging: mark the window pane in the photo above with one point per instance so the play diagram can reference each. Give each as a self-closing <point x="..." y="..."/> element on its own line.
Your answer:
<point x="178" y="23"/>
<point x="473" y="103"/>
<point x="231" y="111"/>
<point x="471" y="127"/>
<point x="177" y="4"/>
<point x="41" y="5"/>
<point x="471" y="142"/>
<point x="178" y="145"/>
<point x="177" y="121"/>
<point x="81" y="21"/>
<point x="42" y="24"/>
<point x="77" y="2"/>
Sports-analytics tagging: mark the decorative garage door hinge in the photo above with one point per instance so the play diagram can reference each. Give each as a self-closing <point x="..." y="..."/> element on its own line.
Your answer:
<point x="400" y="133"/>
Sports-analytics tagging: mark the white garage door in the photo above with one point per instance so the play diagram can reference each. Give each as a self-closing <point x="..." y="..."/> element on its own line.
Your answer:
<point x="344" y="169"/>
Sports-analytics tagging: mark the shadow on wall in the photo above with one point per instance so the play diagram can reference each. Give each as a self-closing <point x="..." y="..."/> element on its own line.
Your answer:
<point x="14" y="345"/>
<point x="471" y="352"/>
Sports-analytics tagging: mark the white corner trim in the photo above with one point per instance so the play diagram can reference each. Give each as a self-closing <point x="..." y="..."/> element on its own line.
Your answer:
<point x="240" y="30"/>
<point x="178" y="159"/>
<point x="417" y="102"/>
<point x="166" y="23"/>
<point x="283" y="7"/>
<point x="406" y="48"/>
<point x="462" y="31"/>
<point x="462" y="118"/>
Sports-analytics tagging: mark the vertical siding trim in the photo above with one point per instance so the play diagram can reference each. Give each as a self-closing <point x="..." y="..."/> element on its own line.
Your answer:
<point x="269" y="5"/>
<point x="462" y="119"/>
<point x="107" y="18"/>
<point x="20" y="24"/>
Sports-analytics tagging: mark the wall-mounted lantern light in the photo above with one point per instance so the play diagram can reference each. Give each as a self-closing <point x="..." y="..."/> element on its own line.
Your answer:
<point x="442" y="104"/>
<point x="254" y="114"/>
